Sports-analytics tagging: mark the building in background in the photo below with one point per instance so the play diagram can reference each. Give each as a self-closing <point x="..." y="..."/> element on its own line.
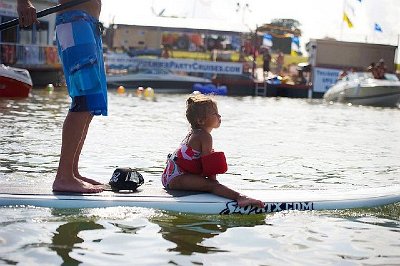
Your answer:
<point x="30" y="48"/>
<point x="174" y="34"/>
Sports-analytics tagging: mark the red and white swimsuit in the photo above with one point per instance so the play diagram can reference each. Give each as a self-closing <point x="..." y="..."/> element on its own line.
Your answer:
<point x="172" y="170"/>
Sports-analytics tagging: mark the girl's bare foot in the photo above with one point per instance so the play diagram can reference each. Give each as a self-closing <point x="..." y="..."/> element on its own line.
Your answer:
<point x="245" y="201"/>
<point x="75" y="185"/>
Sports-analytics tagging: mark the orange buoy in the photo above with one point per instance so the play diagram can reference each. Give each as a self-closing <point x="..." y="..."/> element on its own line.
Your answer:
<point x="121" y="89"/>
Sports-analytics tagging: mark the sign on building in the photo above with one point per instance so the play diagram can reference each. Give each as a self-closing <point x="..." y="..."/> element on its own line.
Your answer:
<point x="120" y="61"/>
<point x="324" y="78"/>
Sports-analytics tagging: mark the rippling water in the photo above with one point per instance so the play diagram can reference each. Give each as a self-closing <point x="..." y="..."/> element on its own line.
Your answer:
<point x="269" y="143"/>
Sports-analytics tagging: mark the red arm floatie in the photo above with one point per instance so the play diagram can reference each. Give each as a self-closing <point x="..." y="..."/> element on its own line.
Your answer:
<point x="214" y="163"/>
<point x="189" y="166"/>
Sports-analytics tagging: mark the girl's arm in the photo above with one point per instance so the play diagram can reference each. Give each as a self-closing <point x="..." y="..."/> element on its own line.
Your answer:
<point x="206" y="142"/>
<point x="206" y="149"/>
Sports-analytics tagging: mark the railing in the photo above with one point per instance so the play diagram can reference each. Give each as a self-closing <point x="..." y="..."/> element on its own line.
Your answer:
<point x="28" y="55"/>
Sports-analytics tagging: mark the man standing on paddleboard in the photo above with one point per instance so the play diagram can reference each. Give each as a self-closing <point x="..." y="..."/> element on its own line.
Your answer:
<point x="78" y="33"/>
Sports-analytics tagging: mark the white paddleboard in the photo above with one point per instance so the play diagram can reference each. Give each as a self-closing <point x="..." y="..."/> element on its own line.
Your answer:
<point x="205" y="203"/>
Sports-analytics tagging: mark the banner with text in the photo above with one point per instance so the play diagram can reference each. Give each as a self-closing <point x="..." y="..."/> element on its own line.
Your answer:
<point x="120" y="61"/>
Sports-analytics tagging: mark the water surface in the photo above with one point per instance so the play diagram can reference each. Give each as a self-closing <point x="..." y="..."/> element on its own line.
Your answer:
<point x="269" y="143"/>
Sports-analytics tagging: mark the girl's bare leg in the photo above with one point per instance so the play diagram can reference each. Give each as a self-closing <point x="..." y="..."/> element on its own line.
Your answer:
<point x="199" y="183"/>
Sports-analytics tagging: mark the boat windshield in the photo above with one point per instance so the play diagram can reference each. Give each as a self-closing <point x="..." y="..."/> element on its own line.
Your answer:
<point x="391" y="77"/>
<point x="359" y="76"/>
<point x="368" y="75"/>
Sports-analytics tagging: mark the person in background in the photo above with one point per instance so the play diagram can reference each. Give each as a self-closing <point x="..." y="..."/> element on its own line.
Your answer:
<point x="242" y="59"/>
<point x="381" y="69"/>
<point x="78" y="34"/>
<point x="165" y="52"/>
<point x="372" y="68"/>
<point x="195" y="165"/>
<point x="280" y="60"/>
<point x="266" y="61"/>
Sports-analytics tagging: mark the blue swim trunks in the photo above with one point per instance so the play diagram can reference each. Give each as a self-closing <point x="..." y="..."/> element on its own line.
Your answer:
<point x="81" y="53"/>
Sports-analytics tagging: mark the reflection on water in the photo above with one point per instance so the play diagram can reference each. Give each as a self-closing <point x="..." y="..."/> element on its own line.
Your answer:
<point x="126" y="236"/>
<point x="66" y="238"/>
<point x="269" y="143"/>
<point x="189" y="232"/>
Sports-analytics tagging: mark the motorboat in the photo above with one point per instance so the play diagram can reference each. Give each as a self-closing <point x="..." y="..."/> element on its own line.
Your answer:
<point x="270" y="85"/>
<point x="161" y="80"/>
<point x="14" y="82"/>
<point x="361" y="88"/>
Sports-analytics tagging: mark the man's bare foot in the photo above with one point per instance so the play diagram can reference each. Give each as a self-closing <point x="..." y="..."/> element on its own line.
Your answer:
<point x="75" y="185"/>
<point x="244" y="201"/>
<point x="88" y="180"/>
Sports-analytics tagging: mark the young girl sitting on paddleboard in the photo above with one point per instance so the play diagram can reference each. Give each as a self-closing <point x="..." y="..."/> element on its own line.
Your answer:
<point x="194" y="165"/>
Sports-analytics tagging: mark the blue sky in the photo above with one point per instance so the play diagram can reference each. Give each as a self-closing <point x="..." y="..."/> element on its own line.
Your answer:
<point x="319" y="18"/>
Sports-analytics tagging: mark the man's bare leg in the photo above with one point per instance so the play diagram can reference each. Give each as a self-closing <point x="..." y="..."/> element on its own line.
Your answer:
<point x="78" y="153"/>
<point x="73" y="131"/>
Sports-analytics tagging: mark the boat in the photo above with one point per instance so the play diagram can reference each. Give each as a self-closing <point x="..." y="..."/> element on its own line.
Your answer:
<point x="277" y="87"/>
<point x="237" y="85"/>
<point x="272" y="86"/>
<point x="161" y="80"/>
<point x="361" y="88"/>
<point x="14" y="82"/>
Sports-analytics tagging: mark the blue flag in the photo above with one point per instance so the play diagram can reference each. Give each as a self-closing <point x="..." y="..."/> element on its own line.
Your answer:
<point x="378" y="27"/>
<point x="267" y="40"/>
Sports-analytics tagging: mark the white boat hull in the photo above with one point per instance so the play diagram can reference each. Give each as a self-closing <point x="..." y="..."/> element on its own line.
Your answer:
<point x="373" y="92"/>
<point x="387" y="99"/>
